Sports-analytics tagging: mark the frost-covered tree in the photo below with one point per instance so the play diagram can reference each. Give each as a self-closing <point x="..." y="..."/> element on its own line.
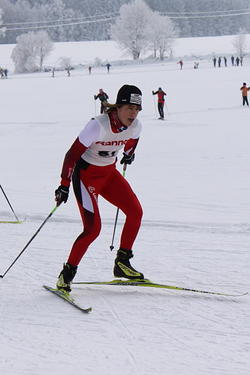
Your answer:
<point x="240" y="43"/>
<point x="65" y="62"/>
<point x="15" y="13"/>
<point x="129" y="30"/>
<point x="44" y="46"/>
<point x="30" y="51"/>
<point x="2" y="29"/>
<point x="161" y="34"/>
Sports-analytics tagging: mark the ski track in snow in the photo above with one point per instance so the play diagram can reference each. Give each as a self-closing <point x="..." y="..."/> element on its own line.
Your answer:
<point x="194" y="187"/>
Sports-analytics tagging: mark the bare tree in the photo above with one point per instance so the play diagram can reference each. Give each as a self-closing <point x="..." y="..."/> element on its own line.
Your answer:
<point x="30" y="51"/>
<point x="44" y="46"/>
<point x="129" y="28"/>
<point x="240" y="43"/>
<point x="161" y="33"/>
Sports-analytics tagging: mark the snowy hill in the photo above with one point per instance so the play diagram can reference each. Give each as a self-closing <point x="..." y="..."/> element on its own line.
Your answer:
<point x="191" y="175"/>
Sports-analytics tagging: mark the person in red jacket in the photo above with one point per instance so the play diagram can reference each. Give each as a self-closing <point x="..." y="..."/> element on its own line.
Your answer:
<point x="161" y="100"/>
<point x="244" y="89"/>
<point x="91" y="165"/>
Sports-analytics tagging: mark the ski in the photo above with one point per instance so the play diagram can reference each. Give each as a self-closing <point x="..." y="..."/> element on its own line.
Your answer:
<point x="66" y="297"/>
<point x="10" y="222"/>
<point x="150" y="284"/>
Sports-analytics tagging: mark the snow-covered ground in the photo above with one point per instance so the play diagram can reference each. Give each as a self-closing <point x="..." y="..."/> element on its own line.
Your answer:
<point x="191" y="174"/>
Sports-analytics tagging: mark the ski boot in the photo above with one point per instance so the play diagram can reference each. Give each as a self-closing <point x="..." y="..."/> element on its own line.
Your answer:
<point x="66" y="276"/>
<point x="123" y="268"/>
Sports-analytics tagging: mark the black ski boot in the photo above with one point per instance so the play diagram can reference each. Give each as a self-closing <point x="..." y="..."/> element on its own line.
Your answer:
<point x="123" y="268"/>
<point x="66" y="276"/>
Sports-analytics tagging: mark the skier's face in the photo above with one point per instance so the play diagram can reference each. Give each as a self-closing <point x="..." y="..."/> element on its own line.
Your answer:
<point x="128" y="113"/>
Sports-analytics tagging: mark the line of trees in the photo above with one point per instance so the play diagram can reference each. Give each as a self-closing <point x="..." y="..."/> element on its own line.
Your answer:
<point x="97" y="25"/>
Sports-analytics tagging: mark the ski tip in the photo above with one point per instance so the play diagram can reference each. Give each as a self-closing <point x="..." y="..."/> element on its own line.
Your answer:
<point x="66" y="297"/>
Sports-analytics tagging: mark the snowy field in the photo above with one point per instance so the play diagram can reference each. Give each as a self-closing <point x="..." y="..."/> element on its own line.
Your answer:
<point x="192" y="176"/>
<point x="86" y="53"/>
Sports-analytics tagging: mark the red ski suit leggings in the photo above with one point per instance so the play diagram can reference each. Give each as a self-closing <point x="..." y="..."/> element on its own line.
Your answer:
<point x="111" y="185"/>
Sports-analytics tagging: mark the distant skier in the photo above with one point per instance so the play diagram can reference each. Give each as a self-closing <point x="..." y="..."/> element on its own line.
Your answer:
<point x="103" y="97"/>
<point x="161" y="101"/>
<point x="225" y="60"/>
<point x="244" y="89"/>
<point x="232" y="60"/>
<point x="214" y="62"/>
<point x="219" y="62"/>
<point x="108" y="65"/>
<point x="90" y="69"/>
<point x="237" y="60"/>
<point x="181" y="64"/>
<point x="68" y="71"/>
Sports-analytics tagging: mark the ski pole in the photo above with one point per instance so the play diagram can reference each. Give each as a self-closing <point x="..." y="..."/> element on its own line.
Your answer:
<point x="32" y="238"/>
<point x="117" y="213"/>
<point x="155" y="106"/>
<point x="9" y="203"/>
<point x="167" y="109"/>
<point x="95" y="106"/>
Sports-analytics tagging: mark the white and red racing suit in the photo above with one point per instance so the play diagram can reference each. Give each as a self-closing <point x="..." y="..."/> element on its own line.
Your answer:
<point x="91" y="164"/>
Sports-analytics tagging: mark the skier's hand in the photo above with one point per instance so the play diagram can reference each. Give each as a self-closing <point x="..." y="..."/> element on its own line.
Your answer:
<point x="61" y="194"/>
<point x="127" y="159"/>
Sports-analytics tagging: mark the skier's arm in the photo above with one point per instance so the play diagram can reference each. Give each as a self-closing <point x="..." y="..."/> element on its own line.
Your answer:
<point x="129" y="151"/>
<point x="87" y="136"/>
<point x="71" y="157"/>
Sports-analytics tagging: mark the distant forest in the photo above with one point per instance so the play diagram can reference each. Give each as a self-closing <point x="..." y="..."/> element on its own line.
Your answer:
<point x="75" y="20"/>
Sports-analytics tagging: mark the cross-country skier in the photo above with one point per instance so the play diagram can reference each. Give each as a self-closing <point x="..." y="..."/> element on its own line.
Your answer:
<point x="181" y="64"/>
<point x="91" y="164"/>
<point x="103" y="97"/>
<point x="161" y="100"/>
<point x="244" y="90"/>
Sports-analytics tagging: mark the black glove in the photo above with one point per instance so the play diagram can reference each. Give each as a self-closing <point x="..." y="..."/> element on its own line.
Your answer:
<point x="127" y="159"/>
<point x="61" y="194"/>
